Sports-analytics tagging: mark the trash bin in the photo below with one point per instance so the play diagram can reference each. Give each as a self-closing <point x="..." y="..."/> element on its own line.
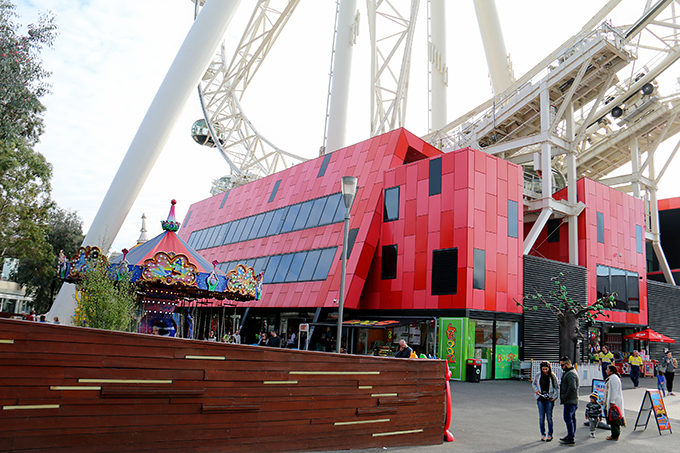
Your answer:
<point x="473" y="371"/>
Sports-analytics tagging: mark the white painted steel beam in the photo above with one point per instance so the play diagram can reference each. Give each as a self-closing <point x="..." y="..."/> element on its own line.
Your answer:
<point x="494" y="46"/>
<point x="439" y="71"/>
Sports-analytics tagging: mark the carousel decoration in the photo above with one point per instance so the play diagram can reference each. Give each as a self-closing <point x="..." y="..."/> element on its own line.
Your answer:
<point x="168" y="271"/>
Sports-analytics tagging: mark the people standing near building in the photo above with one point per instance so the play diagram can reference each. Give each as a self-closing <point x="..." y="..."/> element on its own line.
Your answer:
<point x="594" y="413"/>
<point x="546" y="389"/>
<point x="274" y="340"/>
<point x="404" y="351"/>
<point x="668" y="365"/>
<point x="661" y="382"/>
<point x="569" y="399"/>
<point x="263" y="339"/>
<point x="606" y="358"/>
<point x="613" y="396"/>
<point x="635" y="366"/>
<point x="31" y="316"/>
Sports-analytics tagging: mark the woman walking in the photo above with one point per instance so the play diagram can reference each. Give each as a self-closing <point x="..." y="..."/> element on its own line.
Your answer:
<point x="668" y="365"/>
<point x="546" y="389"/>
<point x="613" y="399"/>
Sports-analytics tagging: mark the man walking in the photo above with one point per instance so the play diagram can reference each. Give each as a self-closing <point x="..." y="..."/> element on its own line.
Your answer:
<point x="569" y="398"/>
<point x="635" y="365"/>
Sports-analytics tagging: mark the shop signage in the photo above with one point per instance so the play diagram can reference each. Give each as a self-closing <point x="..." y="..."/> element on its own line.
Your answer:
<point x="652" y="403"/>
<point x="598" y="388"/>
<point x="451" y="345"/>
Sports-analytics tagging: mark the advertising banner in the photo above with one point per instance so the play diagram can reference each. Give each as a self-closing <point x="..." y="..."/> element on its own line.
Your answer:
<point x="505" y="354"/>
<point x="652" y="403"/>
<point x="451" y="341"/>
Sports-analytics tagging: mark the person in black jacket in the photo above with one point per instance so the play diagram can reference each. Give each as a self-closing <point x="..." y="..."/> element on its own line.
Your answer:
<point x="404" y="351"/>
<point x="274" y="340"/>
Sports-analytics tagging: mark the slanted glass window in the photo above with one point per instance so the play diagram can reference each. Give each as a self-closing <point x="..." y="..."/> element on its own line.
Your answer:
<point x="479" y="272"/>
<point x="289" y="223"/>
<point x="315" y="214"/>
<point x="296" y="266"/>
<point x="351" y="239"/>
<point x="245" y="230"/>
<point x="553" y="226"/>
<point x="435" y="176"/>
<point x="199" y="238"/>
<point x="388" y="269"/>
<point x="277" y="221"/>
<point x="260" y="264"/>
<point x="330" y="209"/>
<point x="308" y="268"/>
<point x="272" y="267"/>
<point x="513" y="223"/>
<point x="600" y="227"/>
<point x="230" y="226"/>
<point x="340" y="212"/>
<point x="192" y="239"/>
<point x="220" y="235"/>
<point x="284" y="265"/>
<point x="229" y="238"/>
<point x="303" y="215"/>
<point x="391" y="204"/>
<point x="266" y="223"/>
<point x="323" y="267"/>
<point x="324" y="164"/>
<point x="256" y="226"/>
<point x="639" y="238"/>
<point x="276" y="189"/>
<point x="444" y="272"/>
<point x="206" y="237"/>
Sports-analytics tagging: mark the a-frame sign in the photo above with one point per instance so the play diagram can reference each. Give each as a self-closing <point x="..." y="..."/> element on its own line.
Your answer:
<point x="652" y="402"/>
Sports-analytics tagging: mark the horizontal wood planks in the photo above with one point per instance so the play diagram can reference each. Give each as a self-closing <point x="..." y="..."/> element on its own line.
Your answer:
<point x="69" y="389"/>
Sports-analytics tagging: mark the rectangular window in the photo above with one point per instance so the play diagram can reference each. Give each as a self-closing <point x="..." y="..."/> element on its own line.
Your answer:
<point x="296" y="266"/>
<point x="266" y="223"/>
<point x="324" y="164"/>
<point x="315" y="214"/>
<point x="639" y="238"/>
<point x="282" y="270"/>
<point x="330" y="209"/>
<point x="276" y="189"/>
<point x="624" y="285"/>
<point x="553" y="227"/>
<point x="192" y="239"/>
<point x="235" y="231"/>
<point x="391" y="204"/>
<point x="260" y="264"/>
<point x="436" y="176"/>
<point x="479" y="272"/>
<point x="229" y="225"/>
<point x="389" y="262"/>
<point x="303" y="215"/>
<point x="199" y="239"/>
<point x="277" y="221"/>
<point x="600" y="227"/>
<point x="255" y="229"/>
<point x="220" y="235"/>
<point x="444" y="272"/>
<point x="513" y="223"/>
<point x="290" y="218"/>
<point x="206" y="237"/>
<point x="310" y="265"/>
<point x="340" y="212"/>
<point x="247" y="226"/>
<point x="323" y="267"/>
<point x="272" y="266"/>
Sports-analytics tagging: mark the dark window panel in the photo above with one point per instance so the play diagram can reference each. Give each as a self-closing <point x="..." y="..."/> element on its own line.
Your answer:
<point x="296" y="266"/>
<point x="639" y="238"/>
<point x="233" y="231"/>
<point x="391" y="204"/>
<point x="513" y="222"/>
<point x="435" y="176"/>
<point x="340" y="212"/>
<point x="351" y="238"/>
<point x="255" y="229"/>
<point x="308" y="268"/>
<point x="330" y="209"/>
<point x="323" y="267"/>
<point x="388" y="269"/>
<point x="290" y="218"/>
<point x="266" y="223"/>
<point x="227" y="230"/>
<point x="247" y="228"/>
<point x="277" y="221"/>
<point x="272" y="266"/>
<point x="315" y="214"/>
<point x="600" y="227"/>
<point x="260" y="264"/>
<point x="206" y="236"/>
<point x="618" y="282"/>
<point x="444" y="272"/>
<point x="224" y="198"/>
<point x="553" y="226"/>
<point x="479" y="272"/>
<point x="199" y="239"/>
<point x="633" y="291"/>
<point x="276" y="189"/>
<point x="283" y="268"/>
<point x="324" y="165"/>
<point x="219" y="238"/>
<point x="303" y="215"/>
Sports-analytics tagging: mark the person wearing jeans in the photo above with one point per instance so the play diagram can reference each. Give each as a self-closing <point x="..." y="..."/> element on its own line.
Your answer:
<point x="668" y="365"/>
<point x="545" y="387"/>
<point x="569" y="398"/>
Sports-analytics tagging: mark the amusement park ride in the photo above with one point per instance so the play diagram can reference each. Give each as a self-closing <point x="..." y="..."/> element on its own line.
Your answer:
<point x="592" y="108"/>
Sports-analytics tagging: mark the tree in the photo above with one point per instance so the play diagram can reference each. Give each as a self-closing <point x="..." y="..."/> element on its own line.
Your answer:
<point x="104" y="303"/>
<point x="38" y="274"/>
<point x="568" y="312"/>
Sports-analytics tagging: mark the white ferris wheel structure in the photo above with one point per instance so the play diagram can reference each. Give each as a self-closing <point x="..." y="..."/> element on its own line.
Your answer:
<point x="599" y="106"/>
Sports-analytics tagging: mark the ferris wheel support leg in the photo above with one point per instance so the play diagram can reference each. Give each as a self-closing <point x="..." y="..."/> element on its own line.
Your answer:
<point x="180" y="82"/>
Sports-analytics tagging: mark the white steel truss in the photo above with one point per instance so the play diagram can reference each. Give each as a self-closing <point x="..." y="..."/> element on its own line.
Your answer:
<point x="391" y="27"/>
<point x="249" y="154"/>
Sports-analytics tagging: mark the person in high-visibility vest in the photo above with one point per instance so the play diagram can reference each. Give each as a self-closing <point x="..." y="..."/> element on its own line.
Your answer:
<point x="635" y="365"/>
<point x="606" y="358"/>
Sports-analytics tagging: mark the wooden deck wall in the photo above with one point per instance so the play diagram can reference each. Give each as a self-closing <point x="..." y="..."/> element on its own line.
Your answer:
<point x="69" y="389"/>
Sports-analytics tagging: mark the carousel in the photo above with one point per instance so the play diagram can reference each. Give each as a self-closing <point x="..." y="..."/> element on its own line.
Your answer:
<point x="173" y="282"/>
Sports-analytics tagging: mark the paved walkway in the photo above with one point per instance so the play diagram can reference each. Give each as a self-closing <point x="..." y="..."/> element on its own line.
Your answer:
<point x="501" y="416"/>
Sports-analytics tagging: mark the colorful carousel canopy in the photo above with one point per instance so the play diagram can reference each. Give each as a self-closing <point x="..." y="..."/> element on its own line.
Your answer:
<point x="167" y="268"/>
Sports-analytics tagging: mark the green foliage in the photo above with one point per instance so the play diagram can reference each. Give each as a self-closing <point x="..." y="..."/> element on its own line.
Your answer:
<point x="38" y="273"/>
<point x="104" y="303"/>
<point x="22" y="77"/>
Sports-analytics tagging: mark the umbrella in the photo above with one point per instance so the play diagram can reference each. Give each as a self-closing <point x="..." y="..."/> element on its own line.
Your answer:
<point x="649" y="335"/>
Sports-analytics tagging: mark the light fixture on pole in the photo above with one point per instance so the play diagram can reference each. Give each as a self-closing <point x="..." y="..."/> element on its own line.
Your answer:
<point x="349" y="189"/>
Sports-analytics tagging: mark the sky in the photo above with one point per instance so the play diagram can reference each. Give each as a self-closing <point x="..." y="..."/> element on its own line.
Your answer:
<point x="111" y="57"/>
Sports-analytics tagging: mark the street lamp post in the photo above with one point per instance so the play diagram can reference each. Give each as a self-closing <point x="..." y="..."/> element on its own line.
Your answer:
<point x="349" y="188"/>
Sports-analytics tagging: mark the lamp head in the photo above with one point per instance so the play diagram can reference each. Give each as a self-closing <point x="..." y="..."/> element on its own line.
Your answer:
<point x="349" y="189"/>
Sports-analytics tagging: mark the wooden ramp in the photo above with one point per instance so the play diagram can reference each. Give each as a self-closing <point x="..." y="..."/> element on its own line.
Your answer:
<point x="70" y="389"/>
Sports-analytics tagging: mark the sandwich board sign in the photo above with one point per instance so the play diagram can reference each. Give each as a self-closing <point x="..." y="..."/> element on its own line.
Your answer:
<point x="652" y="403"/>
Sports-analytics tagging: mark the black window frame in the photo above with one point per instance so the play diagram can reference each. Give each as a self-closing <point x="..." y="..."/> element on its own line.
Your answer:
<point x="600" y="227"/>
<point x="386" y="195"/>
<point x="435" y="176"/>
<point x="388" y="262"/>
<point x="444" y="272"/>
<point x="513" y="219"/>
<point x="479" y="269"/>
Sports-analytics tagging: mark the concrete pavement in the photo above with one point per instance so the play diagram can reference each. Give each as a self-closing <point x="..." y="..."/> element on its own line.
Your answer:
<point x="501" y="416"/>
